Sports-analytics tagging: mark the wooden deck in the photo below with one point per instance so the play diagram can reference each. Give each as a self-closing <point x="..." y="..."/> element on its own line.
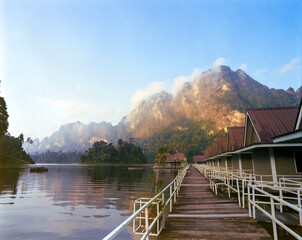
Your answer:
<point x="200" y="214"/>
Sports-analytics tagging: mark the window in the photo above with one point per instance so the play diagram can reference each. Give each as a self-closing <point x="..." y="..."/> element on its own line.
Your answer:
<point x="298" y="160"/>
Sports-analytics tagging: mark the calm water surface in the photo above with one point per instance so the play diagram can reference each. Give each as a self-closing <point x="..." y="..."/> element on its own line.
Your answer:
<point x="71" y="201"/>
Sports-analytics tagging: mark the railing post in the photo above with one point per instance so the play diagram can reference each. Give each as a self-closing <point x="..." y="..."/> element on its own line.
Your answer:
<point x="174" y="191"/>
<point x="164" y="219"/>
<point x="254" y="203"/>
<point x="171" y="200"/>
<point x="281" y="197"/>
<point x="134" y="218"/>
<point x="157" y="223"/>
<point x="177" y="185"/>
<point x="243" y="197"/>
<point x="140" y="219"/>
<point x="238" y="192"/>
<point x="249" y="200"/>
<point x="147" y="221"/>
<point x="274" y="219"/>
<point x="299" y="205"/>
<point x="228" y="183"/>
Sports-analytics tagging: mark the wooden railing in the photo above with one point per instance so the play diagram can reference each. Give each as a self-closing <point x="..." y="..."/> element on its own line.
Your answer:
<point x="253" y="189"/>
<point x="142" y="214"/>
<point x="253" y="203"/>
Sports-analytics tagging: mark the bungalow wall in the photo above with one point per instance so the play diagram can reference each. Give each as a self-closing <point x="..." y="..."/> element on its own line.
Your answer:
<point x="247" y="162"/>
<point x="229" y="162"/>
<point x="235" y="163"/>
<point x="262" y="164"/>
<point x="285" y="161"/>
<point x="221" y="162"/>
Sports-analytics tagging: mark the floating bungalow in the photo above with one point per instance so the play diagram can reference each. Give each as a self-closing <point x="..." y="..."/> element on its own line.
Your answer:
<point x="170" y="160"/>
<point x="269" y="144"/>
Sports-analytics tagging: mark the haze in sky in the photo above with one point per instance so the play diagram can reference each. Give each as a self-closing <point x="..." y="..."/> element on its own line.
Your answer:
<point x="67" y="60"/>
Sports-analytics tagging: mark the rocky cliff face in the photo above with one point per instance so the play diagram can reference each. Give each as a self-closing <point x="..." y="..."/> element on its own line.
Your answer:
<point x="153" y="114"/>
<point x="219" y="95"/>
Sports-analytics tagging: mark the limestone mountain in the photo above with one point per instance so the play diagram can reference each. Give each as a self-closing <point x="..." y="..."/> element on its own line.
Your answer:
<point x="219" y="95"/>
<point x="152" y="115"/>
<point x="213" y="101"/>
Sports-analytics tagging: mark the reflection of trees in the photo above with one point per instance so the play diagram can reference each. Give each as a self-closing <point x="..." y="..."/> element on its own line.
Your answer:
<point x="125" y="184"/>
<point x="9" y="180"/>
<point x="120" y="185"/>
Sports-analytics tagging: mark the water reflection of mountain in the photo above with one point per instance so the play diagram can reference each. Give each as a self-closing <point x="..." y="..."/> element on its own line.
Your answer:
<point x="94" y="186"/>
<point x="72" y="198"/>
<point x="103" y="187"/>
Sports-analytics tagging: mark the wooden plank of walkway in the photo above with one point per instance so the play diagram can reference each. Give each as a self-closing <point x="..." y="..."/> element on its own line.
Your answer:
<point x="200" y="214"/>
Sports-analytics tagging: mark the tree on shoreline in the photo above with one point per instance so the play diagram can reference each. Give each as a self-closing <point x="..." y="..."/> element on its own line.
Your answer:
<point x="11" y="151"/>
<point x="3" y="117"/>
<point x="124" y="152"/>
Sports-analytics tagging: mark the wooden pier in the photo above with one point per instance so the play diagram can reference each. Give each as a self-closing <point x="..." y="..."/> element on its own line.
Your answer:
<point x="200" y="214"/>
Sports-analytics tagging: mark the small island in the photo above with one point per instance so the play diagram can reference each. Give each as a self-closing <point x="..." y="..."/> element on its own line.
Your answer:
<point x="104" y="153"/>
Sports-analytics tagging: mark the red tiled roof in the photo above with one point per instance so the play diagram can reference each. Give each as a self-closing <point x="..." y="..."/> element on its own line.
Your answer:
<point x="210" y="148"/>
<point x="272" y="122"/>
<point x="174" y="156"/>
<point x="236" y="136"/>
<point x="298" y="124"/>
<point x="214" y="148"/>
<point x="207" y="152"/>
<point x="222" y="143"/>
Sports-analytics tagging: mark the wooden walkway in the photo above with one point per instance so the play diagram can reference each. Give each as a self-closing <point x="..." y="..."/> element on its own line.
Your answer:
<point x="200" y="214"/>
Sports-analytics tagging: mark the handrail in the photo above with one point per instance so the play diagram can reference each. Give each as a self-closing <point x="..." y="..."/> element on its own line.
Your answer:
<point x="272" y="215"/>
<point x="260" y="188"/>
<point x="180" y="177"/>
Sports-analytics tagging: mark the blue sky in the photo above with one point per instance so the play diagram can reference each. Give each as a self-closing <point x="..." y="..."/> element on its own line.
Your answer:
<point x="68" y="60"/>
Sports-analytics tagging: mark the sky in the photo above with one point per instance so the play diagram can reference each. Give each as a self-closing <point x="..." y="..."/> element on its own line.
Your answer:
<point x="63" y="61"/>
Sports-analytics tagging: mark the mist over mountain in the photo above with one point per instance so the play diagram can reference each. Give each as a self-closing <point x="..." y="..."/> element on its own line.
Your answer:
<point x="218" y="96"/>
<point x="75" y="136"/>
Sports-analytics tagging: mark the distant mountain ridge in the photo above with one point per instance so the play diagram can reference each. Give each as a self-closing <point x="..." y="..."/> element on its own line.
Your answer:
<point x="218" y="95"/>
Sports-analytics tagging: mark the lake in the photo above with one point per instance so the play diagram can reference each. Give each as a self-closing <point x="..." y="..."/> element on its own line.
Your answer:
<point x="72" y="201"/>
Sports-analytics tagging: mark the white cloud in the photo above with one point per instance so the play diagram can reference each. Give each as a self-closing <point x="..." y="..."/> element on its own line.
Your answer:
<point x="156" y="87"/>
<point x="178" y="82"/>
<point x="290" y="66"/>
<point x="218" y="62"/>
<point x="142" y="94"/>
<point x="243" y="67"/>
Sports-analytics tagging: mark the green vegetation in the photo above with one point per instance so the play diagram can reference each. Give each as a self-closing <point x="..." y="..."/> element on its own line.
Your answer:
<point x="160" y="157"/>
<point x="152" y="186"/>
<point x="11" y="151"/>
<point x="187" y="136"/>
<point x="3" y="117"/>
<point x="57" y="157"/>
<point x="124" y="152"/>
